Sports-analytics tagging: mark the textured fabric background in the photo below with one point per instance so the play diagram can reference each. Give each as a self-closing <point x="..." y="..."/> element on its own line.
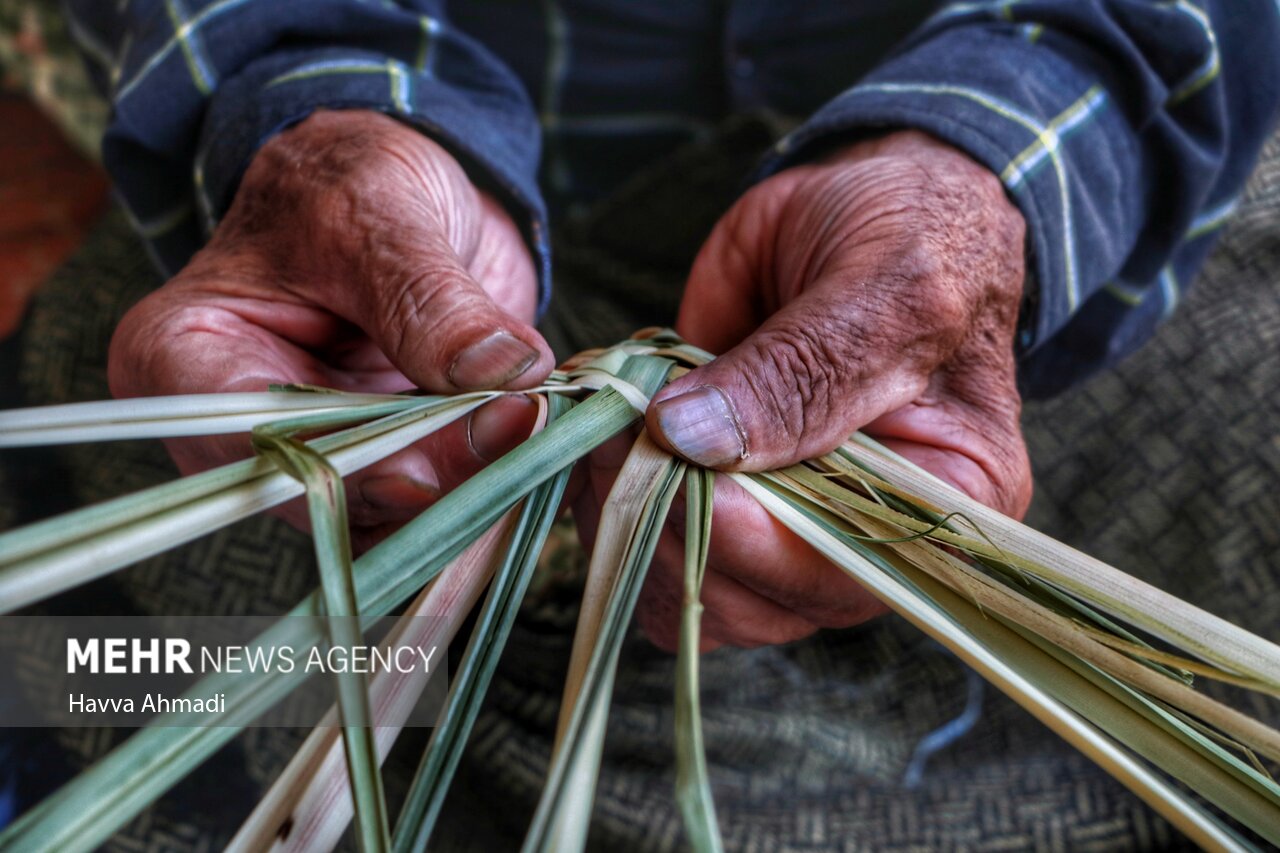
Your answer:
<point x="1167" y="467"/>
<point x="38" y="58"/>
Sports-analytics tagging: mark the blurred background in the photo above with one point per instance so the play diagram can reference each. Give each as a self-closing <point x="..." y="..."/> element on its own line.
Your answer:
<point x="51" y="188"/>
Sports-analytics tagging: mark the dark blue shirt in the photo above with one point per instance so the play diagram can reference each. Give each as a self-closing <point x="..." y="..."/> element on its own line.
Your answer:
<point x="1123" y="129"/>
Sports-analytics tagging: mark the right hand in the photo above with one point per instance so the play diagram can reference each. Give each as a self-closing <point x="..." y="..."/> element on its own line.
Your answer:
<point x="356" y="255"/>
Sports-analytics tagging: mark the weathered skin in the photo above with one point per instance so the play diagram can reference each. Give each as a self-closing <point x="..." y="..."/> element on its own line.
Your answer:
<point x="356" y="255"/>
<point x="877" y="289"/>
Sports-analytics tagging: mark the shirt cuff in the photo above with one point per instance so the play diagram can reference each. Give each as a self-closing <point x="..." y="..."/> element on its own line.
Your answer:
<point x="490" y="135"/>
<point x="1030" y="116"/>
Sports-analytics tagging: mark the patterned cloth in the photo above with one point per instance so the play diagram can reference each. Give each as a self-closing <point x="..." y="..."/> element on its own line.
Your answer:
<point x="1165" y="466"/>
<point x="1124" y="130"/>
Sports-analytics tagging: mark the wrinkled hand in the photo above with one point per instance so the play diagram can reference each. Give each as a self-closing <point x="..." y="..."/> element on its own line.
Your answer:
<point x="356" y="255"/>
<point x="875" y="290"/>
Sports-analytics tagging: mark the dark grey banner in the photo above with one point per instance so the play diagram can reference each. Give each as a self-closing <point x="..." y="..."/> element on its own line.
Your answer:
<point x="211" y="671"/>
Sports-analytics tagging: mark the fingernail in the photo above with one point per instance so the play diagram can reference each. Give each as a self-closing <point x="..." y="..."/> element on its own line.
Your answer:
<point x="398" y="491"/>
<point x="701" y="426"/>
<point x="496" y="428"/>
<point x="492" y="362"/>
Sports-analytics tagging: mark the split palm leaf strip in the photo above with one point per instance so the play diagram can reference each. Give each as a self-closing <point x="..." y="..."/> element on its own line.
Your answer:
<point x="630" y="524"/>
<point x="1013" y="665"/>
<point x="693" y="786"/>
<point x="1106" y="661"/>
<point x="42" y="559"/>
<point x="87" y="810"/>
<point x="309" y="805"/>
<point x="327" y="508"/>
<point x="471" y="681"/>
<point x="182" y="415"/>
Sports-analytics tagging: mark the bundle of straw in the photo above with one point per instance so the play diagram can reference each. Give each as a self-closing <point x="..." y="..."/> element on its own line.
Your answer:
<point x="1106" y="661"/>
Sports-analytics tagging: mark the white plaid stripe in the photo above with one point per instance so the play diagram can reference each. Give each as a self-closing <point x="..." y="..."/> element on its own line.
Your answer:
<point x="1212" y="64"/>
<point x="426" y="55"/>
<point x="401" y="86"/>
<point x="182" y="32"/>
<point x="188" y="40"/>
<point x="1213" y="218"/>
<point x="328" y="67"/>
<point x="1047" y="145"/>
<point x="1166" y="287"/>
<point x="996" y="9"/>
<point x="1169" y="290"/>
<point x="399" y="77"/>
<point x="1129" y="294"/>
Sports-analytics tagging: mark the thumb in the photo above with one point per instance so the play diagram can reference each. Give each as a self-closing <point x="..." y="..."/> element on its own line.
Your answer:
<point x="796" y="388"/>
<point x="441" y="329"/>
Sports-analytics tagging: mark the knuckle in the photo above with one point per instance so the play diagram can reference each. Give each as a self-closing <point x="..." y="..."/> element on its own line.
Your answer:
<point x="139" y="352"/>
<point x="799" y="379"/>
<point x="920" y="262"/>
<point x="913" y="306"/>
<point x="984" y="234"/>
<point x="420" y="303"/>
<point x="337" y="187"/>
<point x="926" y="300"/>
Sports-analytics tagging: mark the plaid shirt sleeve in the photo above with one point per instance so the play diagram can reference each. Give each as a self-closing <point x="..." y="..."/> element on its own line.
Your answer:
<point x="196" y="86"/>
<point x="1124" y="131"/>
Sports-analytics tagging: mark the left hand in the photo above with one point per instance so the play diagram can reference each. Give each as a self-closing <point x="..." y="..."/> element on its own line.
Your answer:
<point x="878" y="290"/>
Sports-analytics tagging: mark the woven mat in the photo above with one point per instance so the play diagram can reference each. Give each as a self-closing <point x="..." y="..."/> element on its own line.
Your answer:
<point x="1167" y="467"/>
